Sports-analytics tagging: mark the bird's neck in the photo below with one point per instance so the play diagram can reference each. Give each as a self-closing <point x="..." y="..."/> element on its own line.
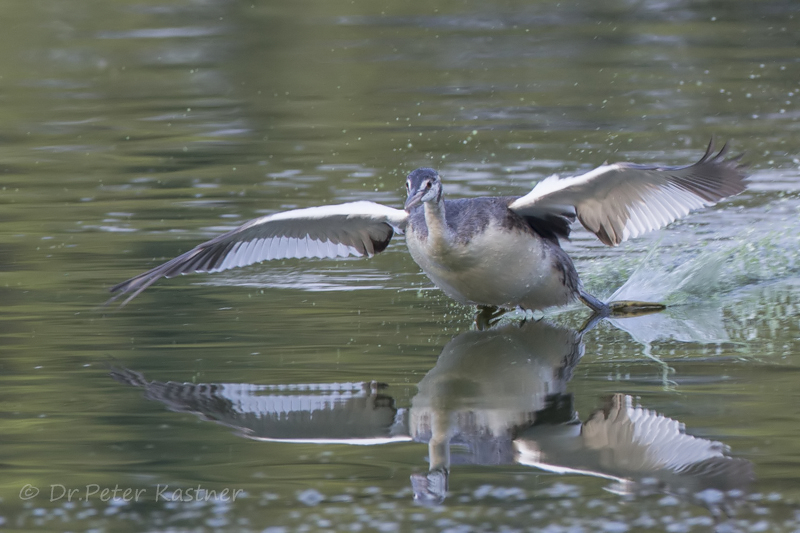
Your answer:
<point x="438" y="231"/>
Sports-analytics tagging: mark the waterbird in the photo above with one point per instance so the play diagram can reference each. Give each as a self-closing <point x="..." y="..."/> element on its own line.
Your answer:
<point x="498" y="253"/>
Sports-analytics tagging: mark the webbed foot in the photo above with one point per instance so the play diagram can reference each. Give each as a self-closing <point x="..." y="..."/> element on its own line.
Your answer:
<point x="629" y="308"/>
<point x="620" y="308"/>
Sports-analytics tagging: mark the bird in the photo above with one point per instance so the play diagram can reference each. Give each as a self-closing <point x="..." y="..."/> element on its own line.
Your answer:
<point x="496" y="253"/>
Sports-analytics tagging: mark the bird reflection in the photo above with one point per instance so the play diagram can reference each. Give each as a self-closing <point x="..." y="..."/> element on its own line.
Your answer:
<point x="486" y="385"/>
<point x="497" y="397"/>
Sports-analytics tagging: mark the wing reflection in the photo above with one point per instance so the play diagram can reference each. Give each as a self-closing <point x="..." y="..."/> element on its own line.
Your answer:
<point x="349" y="413"/>
<point x="496" y="397"/>
<point x="640" y="449"/>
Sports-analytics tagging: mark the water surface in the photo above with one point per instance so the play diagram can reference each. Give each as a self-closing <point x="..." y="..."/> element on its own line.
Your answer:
<point x="330" y="395"/>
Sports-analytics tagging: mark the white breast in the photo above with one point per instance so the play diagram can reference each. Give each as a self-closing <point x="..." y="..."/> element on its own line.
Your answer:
<point x="500" y="267"/>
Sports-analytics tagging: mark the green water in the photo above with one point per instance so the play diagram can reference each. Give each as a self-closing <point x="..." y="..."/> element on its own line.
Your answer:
<point x="131" y="131"/>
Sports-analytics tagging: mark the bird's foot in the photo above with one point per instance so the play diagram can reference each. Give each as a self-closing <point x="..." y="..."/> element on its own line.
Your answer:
<point x="631" y="308"/>
<point x="430" y="488"/>
<point x="617" y="309"/>
<point x="487" y="316"/>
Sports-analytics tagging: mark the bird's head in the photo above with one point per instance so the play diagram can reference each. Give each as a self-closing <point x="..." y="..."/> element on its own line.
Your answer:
<point x="423" y="185"/>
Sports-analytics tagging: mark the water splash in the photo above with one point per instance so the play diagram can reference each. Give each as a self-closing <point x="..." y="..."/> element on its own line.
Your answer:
<point x="718" y="269"/>
<point x="699" y="288"/>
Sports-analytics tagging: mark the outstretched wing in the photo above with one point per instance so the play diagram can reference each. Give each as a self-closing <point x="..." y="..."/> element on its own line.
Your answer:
<point x="624" y="200"/>
<point x="356" y="228"/>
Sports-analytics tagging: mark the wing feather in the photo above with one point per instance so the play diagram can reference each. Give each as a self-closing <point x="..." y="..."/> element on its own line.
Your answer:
<point x="352" y="229"/>
<point x="624" y="200"/>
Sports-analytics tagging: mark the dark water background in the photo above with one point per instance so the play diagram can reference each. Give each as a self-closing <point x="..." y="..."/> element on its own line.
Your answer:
<point x="132" y="130"/>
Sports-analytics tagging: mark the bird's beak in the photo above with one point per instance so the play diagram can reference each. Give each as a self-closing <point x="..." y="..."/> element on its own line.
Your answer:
<point x="414" y="201"/>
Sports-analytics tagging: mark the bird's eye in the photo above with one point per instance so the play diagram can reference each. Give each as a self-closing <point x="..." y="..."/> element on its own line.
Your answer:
<point x="428" y="185"/>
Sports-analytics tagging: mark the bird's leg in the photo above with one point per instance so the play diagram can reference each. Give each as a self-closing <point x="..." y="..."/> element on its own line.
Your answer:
<point x="599" y="308"/>
<point x="590" y="323"/>
<point x="431" y="488"/>
<point x="487" y="315"/>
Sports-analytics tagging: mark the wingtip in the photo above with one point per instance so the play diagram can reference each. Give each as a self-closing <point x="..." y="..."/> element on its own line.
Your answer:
<point x="709" y="150"/>
<point x="723" y="151"/>
<point x="721" y="158"/>
<point x="117" y="287"/>
<point x="721" y="155"/>
<point x="108" y="302"/>
<point x="709" y="153"/>
<point x="133" y="287"/>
